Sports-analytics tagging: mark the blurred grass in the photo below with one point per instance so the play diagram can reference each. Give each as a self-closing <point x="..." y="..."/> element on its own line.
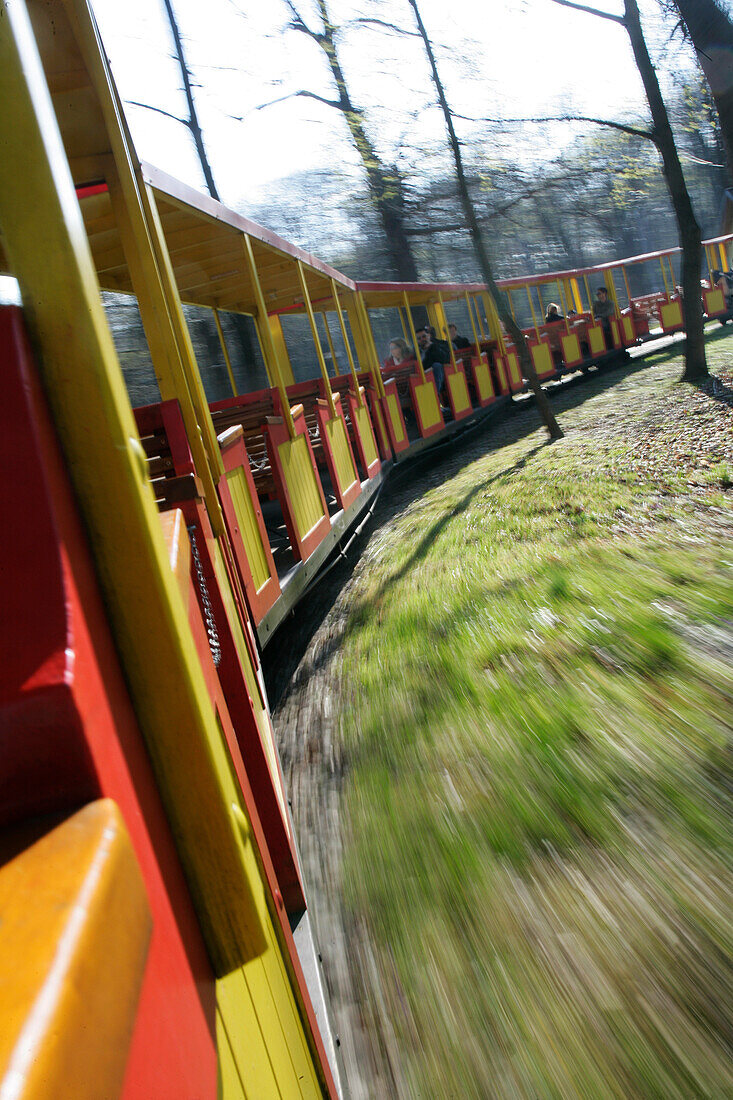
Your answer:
<point x="536" y="686"/>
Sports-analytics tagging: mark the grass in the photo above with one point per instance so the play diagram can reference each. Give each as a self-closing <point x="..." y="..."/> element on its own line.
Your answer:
<point x="536" y="683"/>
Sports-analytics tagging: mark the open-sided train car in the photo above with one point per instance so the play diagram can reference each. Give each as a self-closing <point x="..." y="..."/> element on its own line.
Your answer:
<point x="155" y="938"/>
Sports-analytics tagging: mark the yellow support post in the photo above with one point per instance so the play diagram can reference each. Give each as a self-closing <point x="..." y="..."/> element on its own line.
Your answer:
<point x="450" y="342"/>
<point x="370" y="348"/>
<point x="275" y="325"/>
<point x="626" y="284"/>
<point x="531" y="308"/>
<point x="473" y="324"/>
<point x="316" y="337"/>
<point x="418" y="357"/>
<point x="478" y="318"/>
<point x="264" y="330"/>
<point x="588" y="293"/>
<point x="347" y="345"/>
<point x="664" y="276"/>
<point x="225" y="351"/>
<point x="492" y="319"/>
<point x="405" y="333"/>
<point x="331" y="348"/>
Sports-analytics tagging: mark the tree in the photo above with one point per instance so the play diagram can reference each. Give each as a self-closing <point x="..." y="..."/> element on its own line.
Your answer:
<point x="192" y="122"/>
<point x="385" y="183"/>
<point x="711" y="32"/>
<point x="482" y="253"/>
<point x="689" y="231"/>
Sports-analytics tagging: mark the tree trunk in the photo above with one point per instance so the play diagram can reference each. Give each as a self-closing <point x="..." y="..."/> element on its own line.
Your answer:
<point x="193" y="121"/>
<point x="711" y="34"/>
<point x="482" y="255"/>
<point x="386" y="185"/>
<point x="689" y="230"/>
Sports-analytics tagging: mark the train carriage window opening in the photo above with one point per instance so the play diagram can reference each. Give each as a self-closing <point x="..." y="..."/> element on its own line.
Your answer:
<point x="207" y="351"/>
<point x="125" y="323"/>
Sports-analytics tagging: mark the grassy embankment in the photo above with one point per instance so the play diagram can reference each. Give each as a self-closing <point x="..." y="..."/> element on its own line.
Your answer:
<point x="539" y="661"/>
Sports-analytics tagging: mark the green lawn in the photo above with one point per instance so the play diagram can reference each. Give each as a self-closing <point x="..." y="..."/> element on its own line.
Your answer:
<point x="536" y="684"/>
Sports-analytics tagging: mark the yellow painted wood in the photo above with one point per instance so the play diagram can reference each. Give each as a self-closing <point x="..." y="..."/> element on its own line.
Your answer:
<point x="361" y="317"/>
<point x="458" y="391"/>
<point x="230" y="1085"/>
<point x="542" y="358"/>
<point x="225" y="351"/>
<point x="484" y="382"/>
<point x="275" y="367"/>
<point x="74" y="933"/>
<point x="715" y="300"/>
<point x="576" y="296"/>
<point x="512" y="366"/>
<point x="45" y="239"/>
<point x="366" y="434"/>
<point x="628" y="329"/>
<point x="248" y="526"/>
<point x="331" y="348"/>
<point x="427" y="403"/>
<point x="570" y="346"/>
<point x="179" y="550"/>
<point x="473" y="321"/>
<point x="393" y="408"/>
<point x="596" y="339"/>
<point x="281" y="348"/>
<point x="343" y="460"/>
<point x="316" y="337"/>
<point x="300" y="478"/>
<point x="440" y="313"/>
<point x="413" y="335"/>
<point x="671" y="313"/>
<point x="347" y="345"/>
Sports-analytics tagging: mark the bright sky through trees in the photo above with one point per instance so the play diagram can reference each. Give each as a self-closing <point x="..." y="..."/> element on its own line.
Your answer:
<point x="526" y="58"/>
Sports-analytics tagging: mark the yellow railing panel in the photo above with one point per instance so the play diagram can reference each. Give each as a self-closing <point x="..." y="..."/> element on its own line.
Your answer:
<point x="484" y="383"/>
<point x="570" y="346"/>
<point x="459" y="391"/>
<point x="596" y="340"/>
<point x="715" y="301"/>
<point x="364" y="428"/>
<point x="393" y="407"/>
<point x="248" y="526"/>
<point x="515" y="375"/>
<point x="300" y="479"/>
<point x="671" y="313"/>
<point x="427" y="402"/>
<point x="336" y="430"/>
<point x="542" y="358"/>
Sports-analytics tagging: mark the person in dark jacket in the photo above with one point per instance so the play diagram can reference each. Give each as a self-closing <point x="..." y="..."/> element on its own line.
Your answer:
<point x="457" y="341"/>
<point x="435" y="354"/>
<point x="553" y="314"/>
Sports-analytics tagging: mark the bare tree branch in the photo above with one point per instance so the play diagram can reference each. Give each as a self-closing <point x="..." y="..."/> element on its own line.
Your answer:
<point x="158" y="110"/>
<point x="298" y="23"/>
<point x="591" y="11"/>
<point x="634" y="130"/>
<point x="387" y="26"/>
<point x="292" y="95"/>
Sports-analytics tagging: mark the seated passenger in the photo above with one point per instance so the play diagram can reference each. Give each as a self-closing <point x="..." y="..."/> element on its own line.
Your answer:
<point x="457" y="341"/>
<point x="603" y="310"/>
<point x="724" y="282"/>
<point x="399" y="352"/>
<point x="435" y="354"/>
<point x="553" y="314"/>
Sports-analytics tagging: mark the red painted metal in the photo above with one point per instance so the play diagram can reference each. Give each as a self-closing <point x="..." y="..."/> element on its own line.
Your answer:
<point x="95" y="748"/>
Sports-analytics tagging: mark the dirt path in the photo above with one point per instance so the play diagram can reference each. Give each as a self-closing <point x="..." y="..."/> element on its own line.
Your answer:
<point x="304" y="670"/>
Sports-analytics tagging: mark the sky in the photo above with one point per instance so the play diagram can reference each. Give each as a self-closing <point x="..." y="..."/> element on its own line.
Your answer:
<point x="514" y="59"/>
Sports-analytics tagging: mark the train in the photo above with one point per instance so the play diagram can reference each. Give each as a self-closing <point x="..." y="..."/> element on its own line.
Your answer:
<point x="155" y="937"/>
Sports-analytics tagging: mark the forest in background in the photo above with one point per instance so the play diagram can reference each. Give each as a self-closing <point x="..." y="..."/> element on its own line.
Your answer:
<point x="546" y="202"/>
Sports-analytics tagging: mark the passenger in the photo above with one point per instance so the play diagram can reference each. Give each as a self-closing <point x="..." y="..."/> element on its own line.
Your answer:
<point x="435" y="354"/>
<point x="458" y="342"/>
<point x="399" y="352"/>
<point x="553" y="314"/>
<point x="603" y="311"/>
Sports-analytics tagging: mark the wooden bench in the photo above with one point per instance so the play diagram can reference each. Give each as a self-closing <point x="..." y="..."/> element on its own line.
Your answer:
<point x="170" y="463"/>
<point x="401" y="375"/>
<point x="250" y="412"/>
